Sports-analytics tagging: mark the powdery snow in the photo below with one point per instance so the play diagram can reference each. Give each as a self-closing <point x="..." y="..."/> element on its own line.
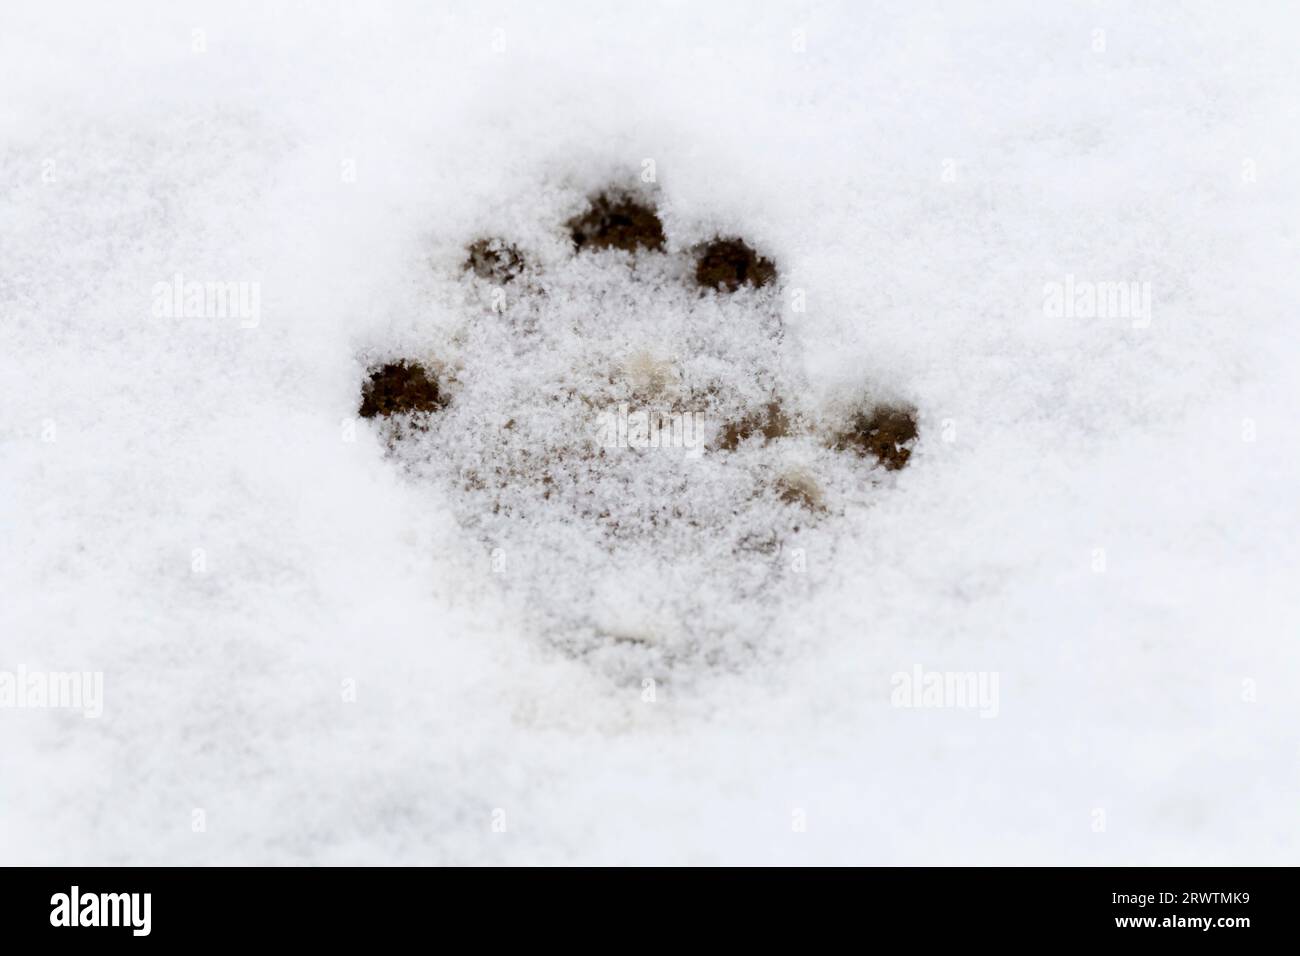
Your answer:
<point x="307" y="653"/>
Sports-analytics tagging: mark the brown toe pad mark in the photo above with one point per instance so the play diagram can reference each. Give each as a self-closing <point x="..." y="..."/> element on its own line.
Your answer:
<point x="771" y="422"/>
<point x="398" y="388"/>
<point x="494" y="259"/>
<point x="617" y="222"/>
<point x="882" y="432"/>
<point x="800" y="488"/>
<point x="727" y="264"/>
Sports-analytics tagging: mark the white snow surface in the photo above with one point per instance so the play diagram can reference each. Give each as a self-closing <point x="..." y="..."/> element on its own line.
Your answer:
<point x="302" y="635"/>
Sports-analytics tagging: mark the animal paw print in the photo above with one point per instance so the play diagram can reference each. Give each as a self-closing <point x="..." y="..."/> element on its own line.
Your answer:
<point x="627" y="428"/>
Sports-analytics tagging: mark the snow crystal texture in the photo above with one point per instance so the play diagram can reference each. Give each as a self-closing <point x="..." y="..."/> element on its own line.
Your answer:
<point x="319" y="646"/>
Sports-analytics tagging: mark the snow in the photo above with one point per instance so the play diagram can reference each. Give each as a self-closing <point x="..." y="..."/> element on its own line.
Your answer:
<point x="302" y="636"/>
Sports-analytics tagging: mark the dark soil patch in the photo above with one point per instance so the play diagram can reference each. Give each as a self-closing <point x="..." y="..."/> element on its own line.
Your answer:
<point x="617" y="222"/>
<point x="495" y="260"/>
<point x="399" y="388"/>
<point x="727" y="264"/>
<point x="883" y="432"/>
<point x="771" y="422"/>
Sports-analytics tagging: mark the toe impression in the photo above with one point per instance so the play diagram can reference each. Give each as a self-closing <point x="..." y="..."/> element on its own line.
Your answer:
<point x="726" y="264"/>
<point x="886" y="432"/>
<point x="399" y="388"/>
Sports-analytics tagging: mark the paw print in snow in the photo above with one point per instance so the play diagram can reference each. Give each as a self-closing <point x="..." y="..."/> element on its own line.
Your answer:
<point x="628" y="428"/>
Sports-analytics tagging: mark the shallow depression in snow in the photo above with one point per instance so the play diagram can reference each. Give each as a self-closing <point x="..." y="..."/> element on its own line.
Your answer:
<point x="630" y="433"/>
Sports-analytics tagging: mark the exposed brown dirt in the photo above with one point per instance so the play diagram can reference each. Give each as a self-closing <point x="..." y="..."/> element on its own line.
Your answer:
<point x="727" y="264"/>
<point x="882" y="432"/>
<point x="399" y="388"/>
<point x="771" y="422"/>
<point x="617" y="222"/>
